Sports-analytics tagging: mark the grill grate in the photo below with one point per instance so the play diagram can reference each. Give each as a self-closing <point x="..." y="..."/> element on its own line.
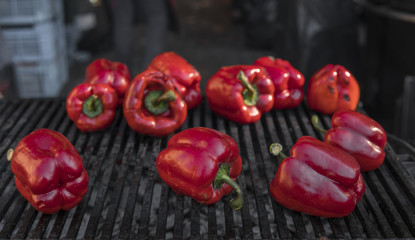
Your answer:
<point x="127" y="198"/>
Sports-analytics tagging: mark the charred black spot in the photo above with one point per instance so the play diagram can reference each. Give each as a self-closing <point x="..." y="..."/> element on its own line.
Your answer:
<point x="346" y="97"/>
<point x="331" y="89"/>
<point x="346" y="82"/>
<point x="331" y="79"/>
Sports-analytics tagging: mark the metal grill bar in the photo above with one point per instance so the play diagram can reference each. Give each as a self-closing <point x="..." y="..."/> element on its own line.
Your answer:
<point x="127" y="198"/>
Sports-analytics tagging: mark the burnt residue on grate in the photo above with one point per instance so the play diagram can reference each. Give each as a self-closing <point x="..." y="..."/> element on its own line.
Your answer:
<point x="127" y="198"/>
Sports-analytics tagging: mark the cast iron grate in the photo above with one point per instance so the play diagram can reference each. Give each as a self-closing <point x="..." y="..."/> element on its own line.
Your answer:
<point x="127" y="198"/>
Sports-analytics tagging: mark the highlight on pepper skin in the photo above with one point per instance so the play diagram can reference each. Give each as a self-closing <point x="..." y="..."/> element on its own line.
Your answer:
<point x="49" y="172"/>
<point x="203" y="164"/>
<point x="240" y="93"/>
<point x="317" y="179"/>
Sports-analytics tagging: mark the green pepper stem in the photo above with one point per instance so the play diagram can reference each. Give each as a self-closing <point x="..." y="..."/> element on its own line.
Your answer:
<point x="316" y="125"/>
<point x="250" y="92"/>
<point x="244" y="80"/>
<point x="276" y="150"/>
<point x="222" y="176"/>
<point x="92" y="106"/>
<point x="10" y="154"/>
<point x="168" y="96"/>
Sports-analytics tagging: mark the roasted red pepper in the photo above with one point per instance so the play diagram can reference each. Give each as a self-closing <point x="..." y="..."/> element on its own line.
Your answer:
<point x="92" y="106"/>
<point x="318" y="179"/>
<point x="202" y="163"/>
<point x="185" y="77"/>
<point x="287" y="80"/>
<point x="357" y="134"/>
<point x="48" y="171"/>
<point x="115" y="74"/>
<point x="332" y="88"/>
<point x="240" y="93"/>
<point x="152" y="106"/>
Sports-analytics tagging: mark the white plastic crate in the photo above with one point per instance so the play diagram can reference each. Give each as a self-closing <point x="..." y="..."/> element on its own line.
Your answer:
<point x="34" y="42"/>
<point x="41" y="79"/>
<point x="28" y="11"/>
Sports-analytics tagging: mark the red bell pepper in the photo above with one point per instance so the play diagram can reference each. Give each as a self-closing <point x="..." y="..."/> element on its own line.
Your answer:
<point x="92" y="106"/>
<point x="115" y="74"/>
<point x="357" y="134"/>
<point x="185" y="77"/>
<point x="318" y="179"/>
<point x="48" y="170"/>
<point x="287" y="80"/>
<point x="202" y="163"/>
<point x="240" y="93"/>
<point x="333" y="88"/>
<point x="152" y="106"/>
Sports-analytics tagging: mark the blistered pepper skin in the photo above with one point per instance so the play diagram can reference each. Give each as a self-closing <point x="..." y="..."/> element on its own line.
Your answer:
<point x="49" y="172"/>
<point x="332" y="88"/>
<point x="318" y="179"/>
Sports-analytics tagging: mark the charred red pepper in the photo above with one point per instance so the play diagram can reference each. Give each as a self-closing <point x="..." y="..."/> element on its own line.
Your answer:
<point x="357" y="134"/>
<point x="287" y="80"/>
<point x="48" y="170"/>
<point x="152" y="106"/>
<point x="92" y="106"/>
<point x="185" y="77"/>
<point x="115" y="74"/>
<point x="332" y="88"/>
<point x="202" y="163"/>
<point x="318" y="179"/>
<point x="240" y="93"/>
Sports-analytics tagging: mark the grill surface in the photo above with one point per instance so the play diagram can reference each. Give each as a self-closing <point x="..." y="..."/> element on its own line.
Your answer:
<point x="127" y="198"/>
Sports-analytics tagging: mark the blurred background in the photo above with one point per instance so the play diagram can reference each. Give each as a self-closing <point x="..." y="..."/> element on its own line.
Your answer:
<point x="45" y="45"/>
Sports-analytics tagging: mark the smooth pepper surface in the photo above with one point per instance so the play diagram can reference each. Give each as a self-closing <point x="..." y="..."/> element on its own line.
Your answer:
<point x="240" y="93"/>
<point x="359" y="135"/>
<point x="115" y="74"/>
<point x="287" y="80"/>
<point x="49" y="172"/>
<point x="318" y="179"/>
<point x="152" y="106"/>
<point x="185" y="77"/>
<point x="332" y="88"/>
<point x="92" y="107"/>
<point x="192" y="161"/>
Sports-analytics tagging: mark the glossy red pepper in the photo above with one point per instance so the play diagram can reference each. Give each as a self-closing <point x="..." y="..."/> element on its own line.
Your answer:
<point x="318" y="179"/>
<point x="357" y="134"/>
<point x="48" y="170"/>
<point x="152" y="106"/>
<point x="202" y="163"/>
<point x="185" y="77"/>
<point x="115" y="74"/>
<point x="287" y="80"/>
<point x="332" y="88"/>
<point x="240" y="93"/>
<point x="92" y="106"/>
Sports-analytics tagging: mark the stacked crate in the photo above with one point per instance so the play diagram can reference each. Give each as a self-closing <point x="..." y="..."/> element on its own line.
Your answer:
<point x="34" y="33"/>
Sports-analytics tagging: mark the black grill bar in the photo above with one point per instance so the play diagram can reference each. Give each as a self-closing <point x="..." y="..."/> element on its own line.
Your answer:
<point x="127" y="199"/>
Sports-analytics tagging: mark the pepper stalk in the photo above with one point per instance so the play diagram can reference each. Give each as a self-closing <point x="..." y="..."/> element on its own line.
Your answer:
<point x="222" y="177"/>
<point x="92" y="106"/>
<point x="316" y="125"/>
<point x="250" y="93"/>
<point x="157" y="102"/>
